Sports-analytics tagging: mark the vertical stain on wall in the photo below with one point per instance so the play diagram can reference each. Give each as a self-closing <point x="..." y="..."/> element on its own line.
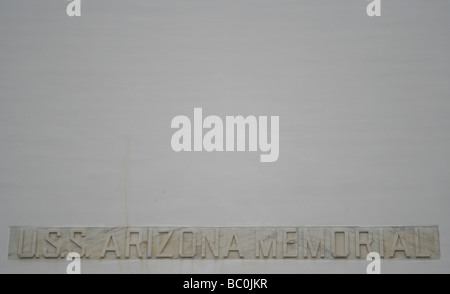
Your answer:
<point x="124" y="185"/>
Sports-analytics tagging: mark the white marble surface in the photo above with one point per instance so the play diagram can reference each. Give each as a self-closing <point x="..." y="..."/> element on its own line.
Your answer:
<point x="86" y="106"/>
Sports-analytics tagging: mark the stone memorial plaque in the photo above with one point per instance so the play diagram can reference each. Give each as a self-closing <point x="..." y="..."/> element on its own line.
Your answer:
<point x="122" y="243"/>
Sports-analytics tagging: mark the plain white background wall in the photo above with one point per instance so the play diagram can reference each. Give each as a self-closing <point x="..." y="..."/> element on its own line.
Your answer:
<point x="86" y="105"/>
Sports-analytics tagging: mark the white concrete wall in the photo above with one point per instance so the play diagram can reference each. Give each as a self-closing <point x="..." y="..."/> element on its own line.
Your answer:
<point x="364" y="108"/>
